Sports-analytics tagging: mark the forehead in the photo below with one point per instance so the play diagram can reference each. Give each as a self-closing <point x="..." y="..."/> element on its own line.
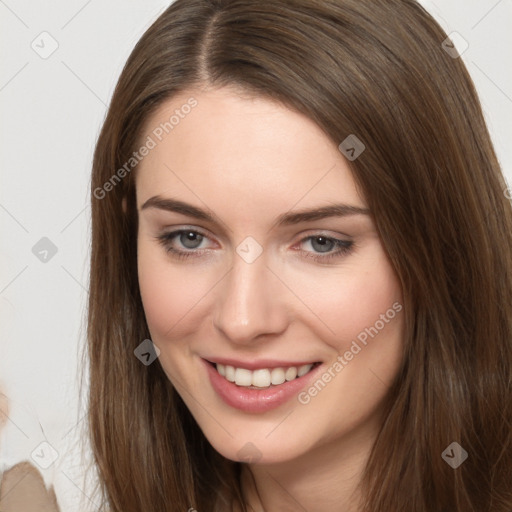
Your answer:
<point x="247" y="154"/>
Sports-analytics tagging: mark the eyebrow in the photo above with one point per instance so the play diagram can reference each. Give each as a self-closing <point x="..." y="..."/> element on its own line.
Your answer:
<point x="286" y="219"/>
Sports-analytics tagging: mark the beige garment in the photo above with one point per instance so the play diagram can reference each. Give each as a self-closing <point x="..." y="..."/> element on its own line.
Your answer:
<point x="22" y="487"/>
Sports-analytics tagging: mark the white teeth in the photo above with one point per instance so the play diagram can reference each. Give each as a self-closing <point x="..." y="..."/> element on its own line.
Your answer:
<point x="263" y="377"/>
<point x="230" y="373"/>
<point x="304" y="369"/>
<point x="277" y="376"/>
<point x="243" y="377"/>
<point x="291" y="373"/>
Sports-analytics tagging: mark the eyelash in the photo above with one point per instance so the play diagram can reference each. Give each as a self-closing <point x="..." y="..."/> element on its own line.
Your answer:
<point x="343" y="246"/>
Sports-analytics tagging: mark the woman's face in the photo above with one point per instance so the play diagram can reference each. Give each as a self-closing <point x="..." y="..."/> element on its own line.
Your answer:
<point x="241" y="280"/>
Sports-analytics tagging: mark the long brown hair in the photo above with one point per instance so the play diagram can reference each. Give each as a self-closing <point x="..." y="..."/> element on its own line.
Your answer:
<point x="375" y="69"/>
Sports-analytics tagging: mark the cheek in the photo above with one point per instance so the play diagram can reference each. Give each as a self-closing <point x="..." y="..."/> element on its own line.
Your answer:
<point x="365" y="302"/>
<point x="363" y="306"/>
<point x="171" y="296"/>
<point x="350" y="299"/>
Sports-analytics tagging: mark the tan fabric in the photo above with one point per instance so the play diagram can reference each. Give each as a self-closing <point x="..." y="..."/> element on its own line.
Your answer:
<point x="22" y="489"/>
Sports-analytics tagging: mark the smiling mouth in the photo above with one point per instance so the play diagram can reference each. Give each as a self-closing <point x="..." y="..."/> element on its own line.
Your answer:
<point x="262" y="378"/>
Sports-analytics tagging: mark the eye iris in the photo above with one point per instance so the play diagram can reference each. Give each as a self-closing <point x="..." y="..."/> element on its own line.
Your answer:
<point x="324" y="243"/>
<point x="191" y="240"/>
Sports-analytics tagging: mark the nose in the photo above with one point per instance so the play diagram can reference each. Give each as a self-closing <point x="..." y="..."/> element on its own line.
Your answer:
<point x="250" y="302"/>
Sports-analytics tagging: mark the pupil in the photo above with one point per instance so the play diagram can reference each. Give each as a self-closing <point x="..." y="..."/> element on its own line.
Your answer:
<point x="192" y="239"/>
<point x="323" y="243"/>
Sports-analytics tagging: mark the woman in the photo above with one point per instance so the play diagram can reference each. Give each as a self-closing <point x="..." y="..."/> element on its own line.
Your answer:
<point x="301" y="273"/>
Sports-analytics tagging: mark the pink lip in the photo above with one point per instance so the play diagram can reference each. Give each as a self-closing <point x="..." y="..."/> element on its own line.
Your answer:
<point x="257" y="400"/>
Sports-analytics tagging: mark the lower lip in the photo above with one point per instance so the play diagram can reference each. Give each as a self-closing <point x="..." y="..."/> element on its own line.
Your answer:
<point x="256" y="400"/>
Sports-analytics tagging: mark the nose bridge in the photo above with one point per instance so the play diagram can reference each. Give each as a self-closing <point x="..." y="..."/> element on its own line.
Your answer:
<point x="249" y="302"/>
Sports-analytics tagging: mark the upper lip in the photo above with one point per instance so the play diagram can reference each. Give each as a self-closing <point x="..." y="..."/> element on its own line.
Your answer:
<point x="256" y="364"/>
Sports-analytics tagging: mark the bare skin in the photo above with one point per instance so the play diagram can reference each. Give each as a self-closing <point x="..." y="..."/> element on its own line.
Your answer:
<point x="247" y="161"/>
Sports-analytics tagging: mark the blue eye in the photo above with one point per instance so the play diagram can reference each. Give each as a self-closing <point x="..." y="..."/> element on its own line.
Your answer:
<point x="324" y="248"/>
<point x="188" y="238"/>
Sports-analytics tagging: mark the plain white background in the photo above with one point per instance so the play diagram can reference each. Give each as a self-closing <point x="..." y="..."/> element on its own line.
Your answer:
<point x="51" y="112"/>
